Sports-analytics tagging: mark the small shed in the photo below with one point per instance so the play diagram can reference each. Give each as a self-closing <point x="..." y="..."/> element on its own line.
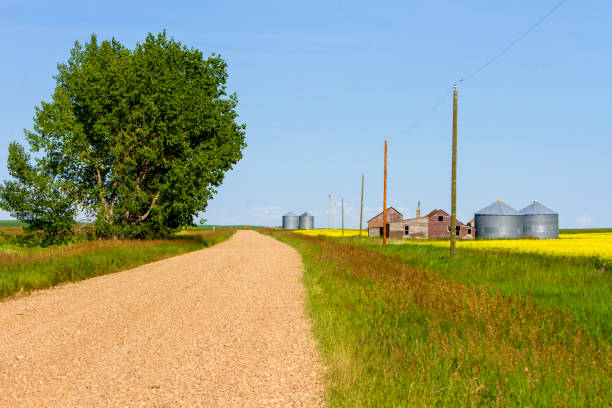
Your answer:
<point x="375" y="224"/>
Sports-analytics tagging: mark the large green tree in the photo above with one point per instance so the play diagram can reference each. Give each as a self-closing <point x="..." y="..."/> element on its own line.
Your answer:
<point x="138" y="138"/>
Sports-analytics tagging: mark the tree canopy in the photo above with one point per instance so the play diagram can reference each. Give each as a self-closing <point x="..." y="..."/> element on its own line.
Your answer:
<point x="139" y="139"/>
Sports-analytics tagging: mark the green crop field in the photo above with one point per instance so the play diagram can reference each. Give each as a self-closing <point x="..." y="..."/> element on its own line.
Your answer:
<point x="584" y="230"/>
<point x="403" y="326"/>
<point x="12" y="223"/>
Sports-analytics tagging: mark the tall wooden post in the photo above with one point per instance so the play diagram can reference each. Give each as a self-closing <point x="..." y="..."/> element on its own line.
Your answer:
<point x="385" y="201"/>
<point x="342" y="216"/>
<point x="453" y="236"/>
<point x="361" y="211"/>
<point x="329" y="221"/>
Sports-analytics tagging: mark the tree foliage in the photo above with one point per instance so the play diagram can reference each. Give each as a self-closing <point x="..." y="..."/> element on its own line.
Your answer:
<point x="139" y="138"/>
<point x="39" y="197"/>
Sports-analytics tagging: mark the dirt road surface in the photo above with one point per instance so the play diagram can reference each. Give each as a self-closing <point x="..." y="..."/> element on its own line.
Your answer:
<point x="223" y="326"/>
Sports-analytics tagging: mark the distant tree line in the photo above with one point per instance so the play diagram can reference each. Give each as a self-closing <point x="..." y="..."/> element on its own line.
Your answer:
<point x="137" y="139"/>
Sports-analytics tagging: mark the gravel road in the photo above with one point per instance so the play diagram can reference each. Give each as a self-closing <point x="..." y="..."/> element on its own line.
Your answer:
<point x="223" y="326"/>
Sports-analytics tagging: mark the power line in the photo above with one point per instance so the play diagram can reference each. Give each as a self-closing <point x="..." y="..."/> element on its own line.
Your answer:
<point x="512" y="44"/>
<point x="484" y="66"/>
<point x="430" y="111"/>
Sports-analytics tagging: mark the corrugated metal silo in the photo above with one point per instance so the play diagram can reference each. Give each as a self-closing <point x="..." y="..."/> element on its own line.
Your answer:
<point x="540" y="222"/>
<point x="290" y="221"/>
<point x="306" y="221"/>
<point x="499" y="220"/>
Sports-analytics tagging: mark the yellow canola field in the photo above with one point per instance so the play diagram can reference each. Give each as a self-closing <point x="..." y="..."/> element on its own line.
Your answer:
<point x="589" y="244"/>
<point x="332" y="232"/>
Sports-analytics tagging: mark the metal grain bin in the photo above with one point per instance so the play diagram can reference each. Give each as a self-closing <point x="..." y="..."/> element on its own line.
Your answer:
<point x="290" y="221"/>
<point x="540" y="222"/>
<point x="306" y="221"/>
<point x="499" y="220"/>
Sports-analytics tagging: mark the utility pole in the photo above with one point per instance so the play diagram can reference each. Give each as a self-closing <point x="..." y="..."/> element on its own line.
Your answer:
<point x="342" y="216"/>
<point x="361" y="211"/>
<point x="385" y="200"/>
<point x="329" y="211"/>
<point x="453" y="232"/>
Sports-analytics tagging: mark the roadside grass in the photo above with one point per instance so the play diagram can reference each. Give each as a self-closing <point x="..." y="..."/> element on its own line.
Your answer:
<point x="400" y="335"/>
<point x="26" y="269"/>
<point x="580" y="285"/>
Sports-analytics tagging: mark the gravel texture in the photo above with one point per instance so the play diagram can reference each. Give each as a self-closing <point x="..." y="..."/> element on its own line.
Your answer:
<point x="223" y="326"/>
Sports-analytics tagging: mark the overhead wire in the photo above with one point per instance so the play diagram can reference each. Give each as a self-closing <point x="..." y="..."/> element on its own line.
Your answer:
<point x="430" y="111"/>
<point x="484" y="66"/>
<point x="512" y="44"/>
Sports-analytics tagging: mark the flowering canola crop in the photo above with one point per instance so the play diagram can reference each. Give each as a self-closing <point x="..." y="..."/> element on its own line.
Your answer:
<point x="589" y="244"/>
<point x="332" y="232"/>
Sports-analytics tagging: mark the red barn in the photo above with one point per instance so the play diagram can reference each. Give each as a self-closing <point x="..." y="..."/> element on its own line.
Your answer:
<point x="436" y="224"/>
<point x="440" y="225"/>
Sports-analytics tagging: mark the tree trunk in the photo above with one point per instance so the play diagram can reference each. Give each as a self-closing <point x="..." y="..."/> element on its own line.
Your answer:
<point x="146" y="214"/>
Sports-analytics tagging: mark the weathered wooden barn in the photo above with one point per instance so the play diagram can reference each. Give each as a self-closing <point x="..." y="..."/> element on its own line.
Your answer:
<point x="436" y="224"/>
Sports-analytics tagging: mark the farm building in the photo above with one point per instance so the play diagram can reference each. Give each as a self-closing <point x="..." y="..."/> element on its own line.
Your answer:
<point x="436" y="224"/>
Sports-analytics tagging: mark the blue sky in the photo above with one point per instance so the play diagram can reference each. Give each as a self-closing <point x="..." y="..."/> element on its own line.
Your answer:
<point x="321" y="84"/>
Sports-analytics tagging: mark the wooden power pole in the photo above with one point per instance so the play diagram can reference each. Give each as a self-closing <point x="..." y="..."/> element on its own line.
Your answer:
<point x="385" y="201"/>
<point x="361" y="211"/>
<point x="453" y="237"/>
<point x="342" y="216"/>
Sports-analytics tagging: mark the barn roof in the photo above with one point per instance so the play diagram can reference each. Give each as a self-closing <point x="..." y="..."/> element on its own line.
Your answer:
<point x="434" y="212"/>
<point x="536" y="208"/>
<point x="390" y="208"/>
<point x="498" y="208"/>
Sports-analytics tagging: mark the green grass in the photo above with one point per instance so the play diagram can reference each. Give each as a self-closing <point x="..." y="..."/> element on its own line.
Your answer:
<point x="209" y="227"/>
<point x="23" y="269"/>
<point x="396" y="334"/>
<point x="12" y="223"/>
<point x="584" y="230"/>
<point x="583" y="286"/>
